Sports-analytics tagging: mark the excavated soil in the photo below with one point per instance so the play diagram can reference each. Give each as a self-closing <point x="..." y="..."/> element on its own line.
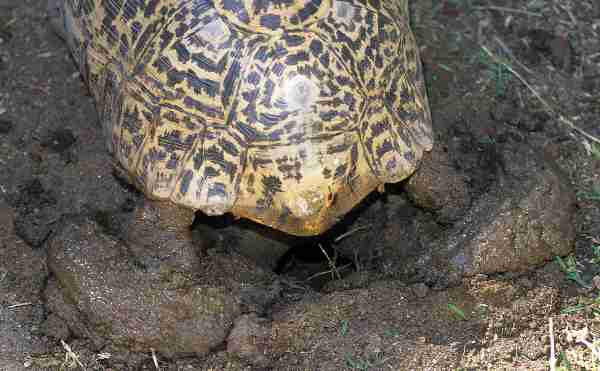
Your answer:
<point x="53" y="163"/>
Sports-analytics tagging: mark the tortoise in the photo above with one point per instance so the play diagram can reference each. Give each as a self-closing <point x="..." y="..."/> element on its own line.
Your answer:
<point x="284" y="112"/>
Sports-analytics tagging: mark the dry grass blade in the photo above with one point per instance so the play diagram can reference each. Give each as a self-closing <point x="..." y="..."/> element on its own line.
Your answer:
<point x="509" y="52"/>
<point x="14" y="306"/>
<point x="567" y="10"/>
<point x="507" y="10"/>
<point x="552" y="349"/>
<point x="70" y="355"/>
<point x="517" y="11"/>
<point x="351" y="232"/>
<point x="6" y="25"/>
<point x="103" y="355"/>
<point x="154" y="359"/>
<point x="333" y="269"/>
<point x="546" y="105"/>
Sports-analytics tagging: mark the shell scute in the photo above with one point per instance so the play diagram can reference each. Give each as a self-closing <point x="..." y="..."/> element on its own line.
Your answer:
<point x="286" y="112"/>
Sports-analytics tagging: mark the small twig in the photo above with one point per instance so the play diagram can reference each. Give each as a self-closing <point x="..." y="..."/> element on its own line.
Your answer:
<point x="329" y="271"/>
<point x="552" y="351"/>
<point x="351" y="232"/>
<point x="331" y="263"/>
<point x="18" y="305"/>
<point x="546" y="105"/>
<point x="508" y="51"/>
<point x="570" y="13"/>
<point x="293" y="285"/>
<point x="71" y="355"/>
<point x="103" y="355"/>
<point x="8" y="24"/>
<point x="518" y="11"/>
<point x="154" y="359"/>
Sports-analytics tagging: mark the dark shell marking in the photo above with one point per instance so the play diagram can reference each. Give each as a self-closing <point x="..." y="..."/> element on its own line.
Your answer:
<point x="269" y="109"/>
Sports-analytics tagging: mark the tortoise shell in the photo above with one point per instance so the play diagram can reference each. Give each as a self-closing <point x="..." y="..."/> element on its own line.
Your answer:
<point x="285" y="112"/>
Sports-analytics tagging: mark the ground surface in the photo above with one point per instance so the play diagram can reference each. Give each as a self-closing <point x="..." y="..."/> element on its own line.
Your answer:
<point x="53" y="162"/>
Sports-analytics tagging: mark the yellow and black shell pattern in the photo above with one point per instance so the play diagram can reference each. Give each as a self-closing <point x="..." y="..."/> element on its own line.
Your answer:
<point x="285" y="112"/>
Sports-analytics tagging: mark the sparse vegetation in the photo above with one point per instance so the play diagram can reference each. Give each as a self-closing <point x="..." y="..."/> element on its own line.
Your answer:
<point x="344" y="327"/>
<point x="6" y="27"/>
<point x="392" y="332"/>
<point x="595" y="250"/>
<point x="569" y="267"/>
<point x="563" y="363"/>
<point x="592" y="194"/>
<point x="334" y="270"/>
<point x="591" y="306"/>
<point x="595" y="151"/>
<point x="497" y="73"/>
<point x="355" y="363"/>
<point x="459" y="313"/>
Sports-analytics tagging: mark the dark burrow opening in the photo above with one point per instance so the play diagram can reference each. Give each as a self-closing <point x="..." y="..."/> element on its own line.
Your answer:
<point x="313" y="261"/>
